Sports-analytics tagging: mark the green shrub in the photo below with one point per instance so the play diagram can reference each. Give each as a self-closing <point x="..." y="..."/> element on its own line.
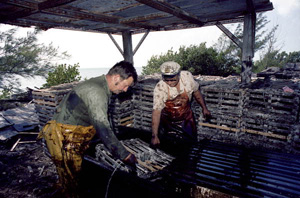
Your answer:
<point x="63" y="74"/>
<point x="5" y="93"/>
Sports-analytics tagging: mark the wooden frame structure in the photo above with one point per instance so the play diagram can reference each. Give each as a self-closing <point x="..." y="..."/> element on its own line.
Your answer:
<point x="128" y="17"/>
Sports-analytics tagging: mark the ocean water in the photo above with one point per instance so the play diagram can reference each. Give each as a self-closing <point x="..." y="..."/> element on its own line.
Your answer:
<point x="85" y="73"/>
<point x="94" y="72"/>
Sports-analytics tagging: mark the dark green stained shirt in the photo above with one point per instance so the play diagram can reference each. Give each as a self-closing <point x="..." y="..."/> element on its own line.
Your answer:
<point x="87" y="104"/>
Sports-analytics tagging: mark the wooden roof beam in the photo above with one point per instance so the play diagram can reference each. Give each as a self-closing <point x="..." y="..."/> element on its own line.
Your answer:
<point x="51" y="4"/>
<point x="96" y="17"/>
<point x="51" y="8"/>
<point x="81" y="15"/>
<point x="31" y="8"/>
<point x="250" y="6"/>
<point x="20" y="14"/>
<point x="37" y="6"/>
<point x="171" y="9"/>
<point x="20" y="3"/>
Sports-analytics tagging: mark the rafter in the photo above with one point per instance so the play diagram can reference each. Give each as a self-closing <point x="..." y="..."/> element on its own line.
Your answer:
<point x="24" y="13"/>
<point x="81" y="15"/>
<point x="51" y="4"/>
<point x="20" y="3"/>
<point x="171" y="9"/>
<point x="250" y="6"/>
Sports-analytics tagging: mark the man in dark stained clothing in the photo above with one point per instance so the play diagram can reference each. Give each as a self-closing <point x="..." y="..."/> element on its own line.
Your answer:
<point x="82" y="115"/>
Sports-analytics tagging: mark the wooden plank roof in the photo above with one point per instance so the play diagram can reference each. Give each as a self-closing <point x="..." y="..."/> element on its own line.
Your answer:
<point x="117" y="16"/>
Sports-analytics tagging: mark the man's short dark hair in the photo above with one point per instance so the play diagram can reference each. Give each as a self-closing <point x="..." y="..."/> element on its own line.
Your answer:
<point x="124" y="69"/>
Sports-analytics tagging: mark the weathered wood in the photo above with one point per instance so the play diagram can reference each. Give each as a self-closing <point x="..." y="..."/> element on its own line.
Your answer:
<point x="140" y="42"/>
<point x="28" y="133"/>
<point x="27" y="142"/>
<point x="116" y="44"/>
<point x="116" y="17"/>
<point x="127" y="46"/>
<point x="265" y="134"/>
<point x="230" y="35"/>
<point x="248" y="48"/>
<point x="15" y="144"/>
<point x="219" y="127"/>
<point x="237" y="114"/>
<point x="245" y="130"/>
<point x="149" y="160"/>
<point x="41" y="170"/>
<point x="139" y="161"/>
<point x="47" y="100"/>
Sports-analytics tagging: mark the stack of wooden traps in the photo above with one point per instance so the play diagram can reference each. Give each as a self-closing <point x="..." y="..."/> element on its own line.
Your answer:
<point x="267" y="112"/>
<point x="264" y="117"/>
<point x="239" y="115"/>
<point x="143" y="104"/>
<point x="47" y="100"/>
<point x="121" y="112"/>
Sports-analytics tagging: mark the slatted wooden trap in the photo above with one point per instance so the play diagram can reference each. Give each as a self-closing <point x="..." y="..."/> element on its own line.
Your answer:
<point x="47" y="100"/>
<point x="149" y="160"/>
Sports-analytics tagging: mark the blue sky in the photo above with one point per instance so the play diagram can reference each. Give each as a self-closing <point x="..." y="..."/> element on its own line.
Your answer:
<point x="92" y="50"/>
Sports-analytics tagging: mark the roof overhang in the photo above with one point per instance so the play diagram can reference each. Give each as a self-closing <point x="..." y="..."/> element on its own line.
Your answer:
<point x="117" y="16"/>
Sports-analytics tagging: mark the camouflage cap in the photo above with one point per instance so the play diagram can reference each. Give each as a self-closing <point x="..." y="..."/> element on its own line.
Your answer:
<point x="169" y="68"/>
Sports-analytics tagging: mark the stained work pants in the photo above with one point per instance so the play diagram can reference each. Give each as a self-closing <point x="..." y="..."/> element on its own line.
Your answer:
<point x="67" y="144"/>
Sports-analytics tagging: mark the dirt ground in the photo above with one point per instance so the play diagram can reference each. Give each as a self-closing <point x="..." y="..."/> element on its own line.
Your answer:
<point x="26" y="171"/>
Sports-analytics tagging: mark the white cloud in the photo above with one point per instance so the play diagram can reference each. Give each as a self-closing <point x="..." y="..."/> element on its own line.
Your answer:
<point x="286" y="7"/>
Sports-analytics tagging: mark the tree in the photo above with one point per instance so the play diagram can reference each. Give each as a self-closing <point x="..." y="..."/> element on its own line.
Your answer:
<point x="196" y="59"/>
<point x="276" y="59"/>
<point x="264" y="40"/>
<point x="293" y="57"/>
<point x="155" y="61"/>
<point x="5" y="93"/>
<point x="206" y="61"/>
<point x="24" y="56"/>
<point x="63" y="74"/>
<point x="270" y="56"/>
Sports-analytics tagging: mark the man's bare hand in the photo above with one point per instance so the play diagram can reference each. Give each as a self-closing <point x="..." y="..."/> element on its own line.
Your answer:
<point x="155" y="142"/>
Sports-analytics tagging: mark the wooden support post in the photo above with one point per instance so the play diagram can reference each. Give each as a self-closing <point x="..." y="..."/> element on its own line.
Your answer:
<point x="248" y="48"/>
<point x="128" y="53"/>
<point x="127" y="46"/>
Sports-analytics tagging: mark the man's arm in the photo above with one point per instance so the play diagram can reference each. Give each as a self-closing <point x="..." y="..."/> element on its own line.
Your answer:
<point x="199" y="98"/>
<point x="96" y="100"/>
<point x="155" y="125"/>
